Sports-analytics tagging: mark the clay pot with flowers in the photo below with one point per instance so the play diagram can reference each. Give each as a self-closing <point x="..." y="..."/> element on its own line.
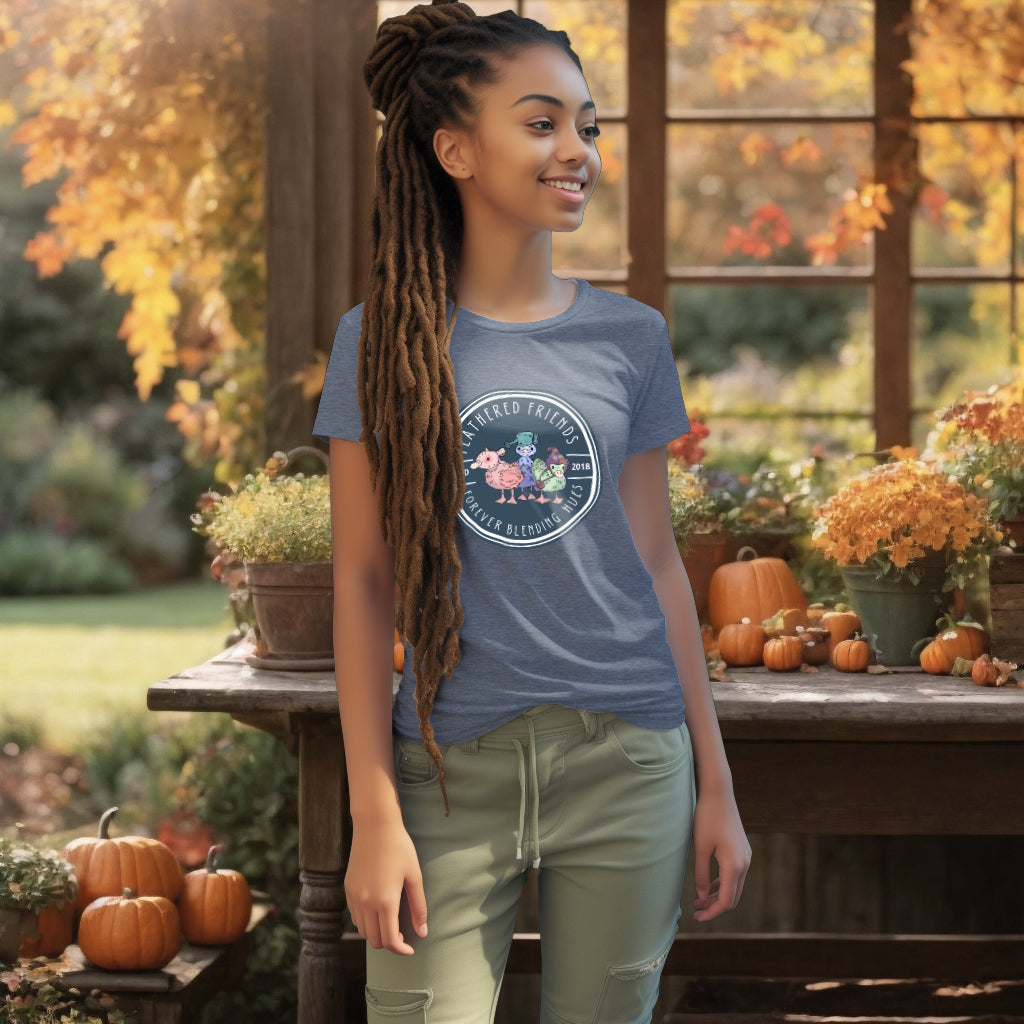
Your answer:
<point x="904" y="535"/>
<point x="277" y="523"/>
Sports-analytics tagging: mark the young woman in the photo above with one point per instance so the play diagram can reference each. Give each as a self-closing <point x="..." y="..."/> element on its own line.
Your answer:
<point x="498" y="467"/>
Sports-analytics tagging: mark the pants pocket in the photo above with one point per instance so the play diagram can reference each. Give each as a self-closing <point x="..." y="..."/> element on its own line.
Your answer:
<point x="649" y="751"/>
<point x="631" y="990"/>
<point x="395" y="1006"/>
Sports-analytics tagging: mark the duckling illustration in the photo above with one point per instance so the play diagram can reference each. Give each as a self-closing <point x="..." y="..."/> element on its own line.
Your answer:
<point x="551" y="478"/>
<point x="525" y="445"/>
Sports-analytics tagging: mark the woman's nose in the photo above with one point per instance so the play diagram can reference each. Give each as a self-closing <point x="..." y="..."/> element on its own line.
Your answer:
<point x="575" y="150"/>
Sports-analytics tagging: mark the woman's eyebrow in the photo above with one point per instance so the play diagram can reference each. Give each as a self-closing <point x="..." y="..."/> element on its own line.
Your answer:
<point x="553" y="100"/>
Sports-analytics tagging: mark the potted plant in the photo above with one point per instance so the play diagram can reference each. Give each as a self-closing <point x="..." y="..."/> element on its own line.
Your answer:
<point x="278" y="525"/>
<point x="37" y="901"/>
<point x="980" y="441"/>
<point x="903" y="534"/>
<point x="698" y="522"/>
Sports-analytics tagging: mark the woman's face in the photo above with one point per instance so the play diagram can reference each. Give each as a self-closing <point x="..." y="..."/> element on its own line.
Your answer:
<point x="530" y="158"/>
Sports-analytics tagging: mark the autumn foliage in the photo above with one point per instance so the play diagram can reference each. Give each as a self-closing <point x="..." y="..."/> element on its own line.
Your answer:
<point x="149" y="113"/>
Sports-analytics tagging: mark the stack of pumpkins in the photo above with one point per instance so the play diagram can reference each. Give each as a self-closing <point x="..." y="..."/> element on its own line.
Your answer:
<point x="137" y="904"/>
<point x="760" y="616"/>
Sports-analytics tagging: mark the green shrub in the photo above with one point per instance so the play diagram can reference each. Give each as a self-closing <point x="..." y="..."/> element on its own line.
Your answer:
<point x="34" y="562"/>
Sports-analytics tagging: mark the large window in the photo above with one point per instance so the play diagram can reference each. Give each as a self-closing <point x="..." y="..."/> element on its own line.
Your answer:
<point x="751" y="148"/>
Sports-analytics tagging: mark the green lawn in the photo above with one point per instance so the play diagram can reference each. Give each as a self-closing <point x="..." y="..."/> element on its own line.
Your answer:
<point x="69" y="663"/>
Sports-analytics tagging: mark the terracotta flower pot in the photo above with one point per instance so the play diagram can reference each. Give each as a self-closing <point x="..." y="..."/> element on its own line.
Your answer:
<point x="294" y="607"/>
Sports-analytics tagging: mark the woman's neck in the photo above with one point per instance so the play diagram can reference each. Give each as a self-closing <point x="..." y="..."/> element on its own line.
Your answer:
<point x="511" y="279"/>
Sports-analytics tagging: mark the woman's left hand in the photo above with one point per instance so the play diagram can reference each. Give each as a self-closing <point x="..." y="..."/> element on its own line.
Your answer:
<point x="718" y="832"/>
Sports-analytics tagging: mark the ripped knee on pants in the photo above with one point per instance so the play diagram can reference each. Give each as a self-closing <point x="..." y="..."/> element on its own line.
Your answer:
<point x="631" y="990"/>
<point x="397" y="1006"/>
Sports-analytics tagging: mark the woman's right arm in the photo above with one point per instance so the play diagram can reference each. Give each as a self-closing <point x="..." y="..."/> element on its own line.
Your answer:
<point x="383" y="863"/>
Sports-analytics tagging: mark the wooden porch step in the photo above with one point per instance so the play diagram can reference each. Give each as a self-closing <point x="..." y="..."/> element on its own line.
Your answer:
<point x="802" y="1018"/>
<point x="845" y="999"/>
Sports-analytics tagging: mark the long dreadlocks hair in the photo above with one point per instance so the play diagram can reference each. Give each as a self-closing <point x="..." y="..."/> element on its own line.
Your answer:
<point x="422" y="74"/>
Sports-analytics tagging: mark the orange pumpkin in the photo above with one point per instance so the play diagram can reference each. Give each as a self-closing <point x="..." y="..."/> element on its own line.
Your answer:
<point x="215" y="904"/>
<point x="851" y="655"/>
<point x="754" y="589"/>
<point x="399" y="658"/>
<point x="936" y="660"/>
<point x="741" y="643"/>
<point x="784" y="653"/>
<point x="963" y="640"/>
<point x="106" y="867"/>
<point x="129" y="932"/>
<point x="49" y="933"/>
<point x="841" y="626"/>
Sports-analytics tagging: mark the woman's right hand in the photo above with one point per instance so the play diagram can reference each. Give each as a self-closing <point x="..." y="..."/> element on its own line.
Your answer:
<point x="382" y="865"/>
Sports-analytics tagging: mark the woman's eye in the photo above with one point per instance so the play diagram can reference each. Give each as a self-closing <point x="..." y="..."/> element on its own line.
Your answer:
<point x="543" y="124"/>
<point x="591" y="131"/>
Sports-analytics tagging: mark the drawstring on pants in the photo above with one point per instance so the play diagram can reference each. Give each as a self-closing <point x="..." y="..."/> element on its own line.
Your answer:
<point x="535" y="794"/>
<point x="593" y="724"/>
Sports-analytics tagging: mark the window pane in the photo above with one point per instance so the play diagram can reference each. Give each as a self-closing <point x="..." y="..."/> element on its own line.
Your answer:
<point x="770" y="55"/>
<point x="760" y="195"/>
<point x="961" y="341"/>
<point x="966" y="58"/>
<point x="778" y="369"/>
<point x="597" y="31"/>
<point x="963" y="212"/>
<point x="600" y="243"/>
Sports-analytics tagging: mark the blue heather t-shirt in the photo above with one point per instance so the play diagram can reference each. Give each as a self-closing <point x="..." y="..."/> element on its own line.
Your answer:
<point x="559" y="608"/>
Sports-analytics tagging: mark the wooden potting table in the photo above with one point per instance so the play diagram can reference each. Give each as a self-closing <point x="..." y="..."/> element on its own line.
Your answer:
<point x="825" y="753"/>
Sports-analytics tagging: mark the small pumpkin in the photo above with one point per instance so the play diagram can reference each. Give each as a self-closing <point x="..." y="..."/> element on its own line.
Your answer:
<point x="741" y="643"/>
<point x="752" y="588"/>
<point x="851" y="655"/>
<point x="130" y="932"/>
<point x="399" y="657"/>
<point x="49" y="932"/>
<point x="841" y="626"/>
<point x="936" y="660"/>
<point x="983" y="671"/>
<point x="105" y="866"/>
<point x="964" y="639"/>
<point x="783" y="653"/>
<point x="215" y="904"/>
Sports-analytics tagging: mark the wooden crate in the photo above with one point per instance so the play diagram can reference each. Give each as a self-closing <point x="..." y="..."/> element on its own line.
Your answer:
<point x="1006" y="592"/>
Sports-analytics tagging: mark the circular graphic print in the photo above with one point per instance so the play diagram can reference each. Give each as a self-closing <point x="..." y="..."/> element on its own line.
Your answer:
<point x="530" y="465"/>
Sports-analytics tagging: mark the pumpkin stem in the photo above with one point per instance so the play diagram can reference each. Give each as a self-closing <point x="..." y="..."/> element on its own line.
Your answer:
<point x="105" y="820"/>
<point x="211" y="859"/>
<point x="129" y="894"/>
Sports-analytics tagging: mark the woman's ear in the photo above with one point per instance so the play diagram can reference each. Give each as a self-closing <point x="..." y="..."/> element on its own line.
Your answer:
<point x="451" y="147"/>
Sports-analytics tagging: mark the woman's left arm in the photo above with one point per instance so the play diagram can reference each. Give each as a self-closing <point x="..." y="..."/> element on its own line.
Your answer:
<point x="717" y="829"/>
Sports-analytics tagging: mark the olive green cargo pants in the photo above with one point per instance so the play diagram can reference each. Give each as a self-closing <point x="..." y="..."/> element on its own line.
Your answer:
<point x="602" y="809"/>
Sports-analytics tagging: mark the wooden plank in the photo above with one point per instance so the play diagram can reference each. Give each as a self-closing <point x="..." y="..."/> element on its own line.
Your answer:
<point x="646" y="145"/>
<point x="895" y="158"/>
<point x="879" y="788"/>
<point x="1006" y="569"/>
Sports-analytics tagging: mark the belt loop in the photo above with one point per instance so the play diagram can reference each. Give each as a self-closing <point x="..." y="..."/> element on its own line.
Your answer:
<point x="588" y="723"/>
<point x="470" y="746"/>
<point x="601" y="716"/>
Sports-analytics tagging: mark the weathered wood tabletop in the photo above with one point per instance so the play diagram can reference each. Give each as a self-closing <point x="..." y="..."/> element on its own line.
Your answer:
<point x="901" y="753"/>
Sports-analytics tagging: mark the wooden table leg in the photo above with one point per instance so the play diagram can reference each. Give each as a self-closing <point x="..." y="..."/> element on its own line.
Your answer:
<point x="323" y="800"/>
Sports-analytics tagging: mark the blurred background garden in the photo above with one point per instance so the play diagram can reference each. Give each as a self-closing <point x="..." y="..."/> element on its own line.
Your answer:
<point x="825" y="200"/>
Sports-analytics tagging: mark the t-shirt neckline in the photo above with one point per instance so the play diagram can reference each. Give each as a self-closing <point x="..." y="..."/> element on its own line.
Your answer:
<point x="529" y="326"/>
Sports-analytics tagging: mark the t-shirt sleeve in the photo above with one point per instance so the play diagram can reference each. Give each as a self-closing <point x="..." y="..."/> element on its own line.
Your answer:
<point x="338" y="414"/>
<point x="659" y="413"/>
